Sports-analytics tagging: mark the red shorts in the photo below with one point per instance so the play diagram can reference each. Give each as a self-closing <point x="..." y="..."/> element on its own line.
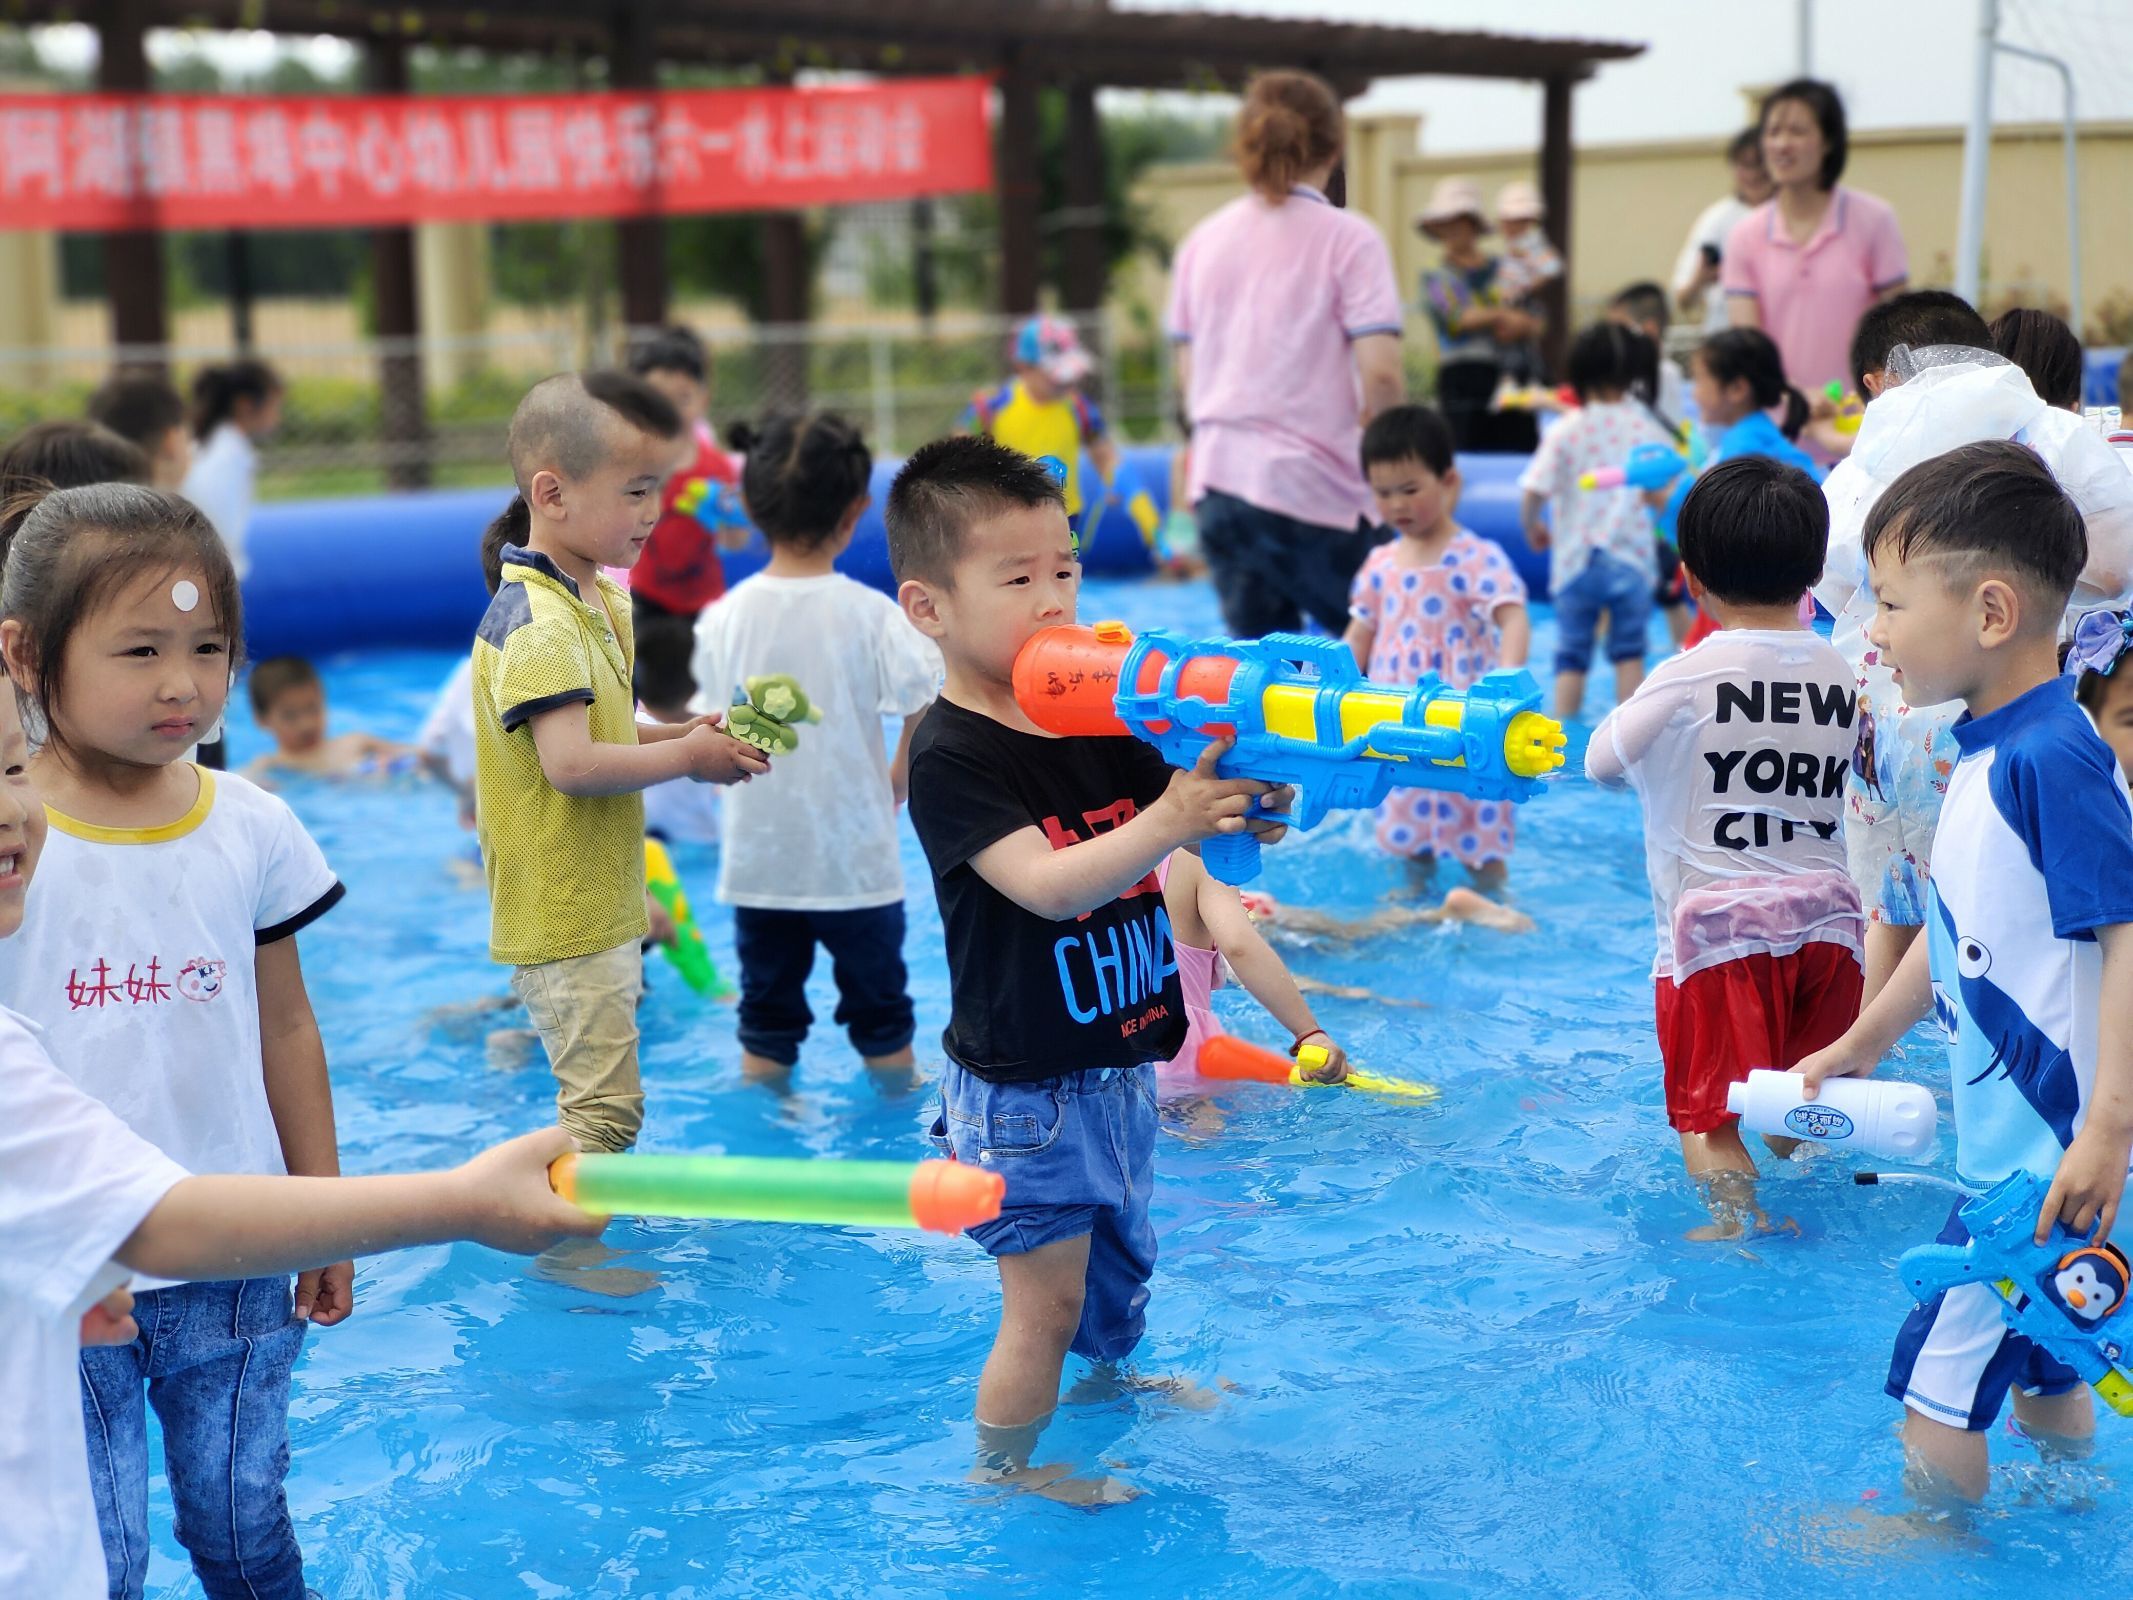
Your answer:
<point x="1759" y="1011"/>
<point x="1704" y="626"/>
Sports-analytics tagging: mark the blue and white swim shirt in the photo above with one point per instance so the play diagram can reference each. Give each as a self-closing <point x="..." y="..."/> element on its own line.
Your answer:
<point x="2034" y="853"/>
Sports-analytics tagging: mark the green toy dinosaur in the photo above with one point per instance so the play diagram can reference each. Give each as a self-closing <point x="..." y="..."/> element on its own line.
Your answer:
<point x="763" y="715"/>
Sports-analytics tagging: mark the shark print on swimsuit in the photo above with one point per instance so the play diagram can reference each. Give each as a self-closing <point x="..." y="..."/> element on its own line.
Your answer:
<point x="2007" y="1044"/>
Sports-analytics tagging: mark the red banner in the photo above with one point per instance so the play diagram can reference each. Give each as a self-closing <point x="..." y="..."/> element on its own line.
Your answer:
<point x="241" y="161"/>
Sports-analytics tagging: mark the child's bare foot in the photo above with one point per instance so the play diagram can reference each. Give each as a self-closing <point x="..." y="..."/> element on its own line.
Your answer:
<point x="1726" y="1225"/>
<point x="1349" y="991"/>
<point x="582" y="1264"/>
<point x="1465" y="905"/>
<point x="775" y="1076"/>
<point x="1055" y="1482"/>
<point x="1103" y="1383"/>
<point x="1193" y="1117"/>
<point x="511" y="1049"/>
<point x="894" y="1075"/>
<point x="1730" y="1194"/>
<point x="1864" y="1531"/>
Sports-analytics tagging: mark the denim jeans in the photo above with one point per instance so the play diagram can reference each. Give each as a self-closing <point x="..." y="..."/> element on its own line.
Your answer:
<point x="215" y="1360"/>
<point x="1078" y="1153"/>
<point x="1607" y="584"/>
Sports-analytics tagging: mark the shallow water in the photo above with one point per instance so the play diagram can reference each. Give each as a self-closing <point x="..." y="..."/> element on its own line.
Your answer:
<point x="1471" y="1348"/>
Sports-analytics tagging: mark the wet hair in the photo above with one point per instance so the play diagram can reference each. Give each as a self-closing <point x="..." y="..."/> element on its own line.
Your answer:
<point x="2045" y="348"/>
<point x="666" y="642"/>
<point x="1754" y="531"/>
<point x="801" y="475"/>
<point x="675" y="349"/>
<point x="947" y="487"/>
<point x="1642" y="302"/>
<point x="1751" y="355"/>
<point x="1827" y="109"/>
<point x="1919" y="318"/>
<point x="139" y="406"/>
<point x="1290" y="123"/>
<point x="565" y="423"/>
<point x="1607" y="356"/>
<point x="217" y="389"/>
<point x="67" y="453"/>
<point x="1747" y="142"/>
<point x="276" y="676"/>
<point x="1985" y="509"/>
<point x="69" y="553"/>
<point x="1409" y="433"/>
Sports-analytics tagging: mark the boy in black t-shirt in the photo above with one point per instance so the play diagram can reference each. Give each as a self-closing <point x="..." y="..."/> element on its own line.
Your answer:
<point x="1065" y="982"/>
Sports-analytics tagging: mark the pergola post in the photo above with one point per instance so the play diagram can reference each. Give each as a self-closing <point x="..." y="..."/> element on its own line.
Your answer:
<point x="1019" y="191"/>
<point x="785" y="309"/>
<point x="1084" y="234"/>
<point x="640" y="242"/>
<point x="403" y="412"/>
<point x="133" y="257"/>
<point x="1555" y="195"/>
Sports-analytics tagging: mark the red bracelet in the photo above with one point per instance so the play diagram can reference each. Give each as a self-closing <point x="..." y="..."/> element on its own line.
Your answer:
<point x="1297" y="1043"/>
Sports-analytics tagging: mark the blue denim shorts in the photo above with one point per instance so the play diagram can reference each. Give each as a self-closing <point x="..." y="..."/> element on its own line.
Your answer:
<point x="1607" y="584"/>
<point x="1078" y="1153"/>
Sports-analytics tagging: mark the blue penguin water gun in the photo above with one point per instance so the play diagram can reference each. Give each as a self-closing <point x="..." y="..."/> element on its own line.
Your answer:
<point x="1301" y="713"/>
<point x="2057" y="1294"/>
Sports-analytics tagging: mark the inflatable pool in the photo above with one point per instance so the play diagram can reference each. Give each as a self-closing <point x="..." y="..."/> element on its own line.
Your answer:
<point x="404" y="570"/>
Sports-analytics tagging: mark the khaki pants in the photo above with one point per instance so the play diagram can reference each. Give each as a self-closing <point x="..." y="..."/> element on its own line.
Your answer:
<point x="585" y="1009"/>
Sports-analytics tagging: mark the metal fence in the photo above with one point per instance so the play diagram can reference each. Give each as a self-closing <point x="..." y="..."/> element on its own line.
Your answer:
<point x="362" y="415"/>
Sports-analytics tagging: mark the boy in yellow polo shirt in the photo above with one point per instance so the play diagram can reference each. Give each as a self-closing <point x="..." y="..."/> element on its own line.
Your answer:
<point x="1041" y="412"/>
<point x="560" y="760"/>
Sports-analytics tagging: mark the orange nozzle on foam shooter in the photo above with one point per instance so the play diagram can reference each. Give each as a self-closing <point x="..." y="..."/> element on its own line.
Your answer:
<point x="1229" y="1057"/>
<point x="948" y="1197"/>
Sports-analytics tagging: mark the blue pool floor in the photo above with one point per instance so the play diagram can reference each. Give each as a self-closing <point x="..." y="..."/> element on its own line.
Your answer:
<point x="1470" y="1349"/>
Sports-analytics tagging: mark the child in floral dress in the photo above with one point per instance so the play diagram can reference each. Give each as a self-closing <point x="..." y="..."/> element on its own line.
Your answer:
<point x="1435" y="599"/>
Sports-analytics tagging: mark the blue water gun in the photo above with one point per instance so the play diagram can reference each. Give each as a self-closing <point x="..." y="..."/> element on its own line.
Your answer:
<point x="717" y="506"/>
<point x="2057" y="1294"/>
<point x="1654" y="466"/>
<point x="1301" y="713"/>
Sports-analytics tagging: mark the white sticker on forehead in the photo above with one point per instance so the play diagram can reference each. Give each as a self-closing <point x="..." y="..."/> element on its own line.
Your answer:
<point x="185" y="594"/>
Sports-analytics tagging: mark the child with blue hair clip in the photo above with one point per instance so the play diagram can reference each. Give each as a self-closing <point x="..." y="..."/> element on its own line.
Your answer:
<point x="2028" y="959"/>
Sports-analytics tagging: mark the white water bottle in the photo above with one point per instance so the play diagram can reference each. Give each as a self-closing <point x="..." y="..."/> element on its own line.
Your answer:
<point x="1876" y="1115"/>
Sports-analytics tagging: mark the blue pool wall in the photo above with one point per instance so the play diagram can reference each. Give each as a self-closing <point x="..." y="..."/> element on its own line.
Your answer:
<point x="404" y="570"/>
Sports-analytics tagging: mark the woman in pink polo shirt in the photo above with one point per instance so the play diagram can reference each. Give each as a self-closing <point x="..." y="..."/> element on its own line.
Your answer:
<point x="1806" y="263"/>
<point x="1286" y="320"/>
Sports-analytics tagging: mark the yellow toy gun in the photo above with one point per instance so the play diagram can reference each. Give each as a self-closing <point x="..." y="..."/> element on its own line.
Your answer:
<point x="1225" y="1056"/>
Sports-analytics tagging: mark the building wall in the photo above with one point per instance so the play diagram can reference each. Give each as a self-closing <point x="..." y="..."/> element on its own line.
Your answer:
<point x="1634" y="204"/>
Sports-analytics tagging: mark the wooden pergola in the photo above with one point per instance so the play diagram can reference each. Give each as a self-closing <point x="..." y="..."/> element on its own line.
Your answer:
<point x="1075" y="46"/>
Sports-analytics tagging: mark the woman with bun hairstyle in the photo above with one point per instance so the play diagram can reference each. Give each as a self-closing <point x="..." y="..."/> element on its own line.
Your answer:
<point x="1286" y="320"/>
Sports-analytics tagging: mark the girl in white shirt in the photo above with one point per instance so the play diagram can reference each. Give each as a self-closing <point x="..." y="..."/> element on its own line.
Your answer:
<point x="164" y="969"/>
<point x="84" y="1200"/>
<point x="235" y="407"/>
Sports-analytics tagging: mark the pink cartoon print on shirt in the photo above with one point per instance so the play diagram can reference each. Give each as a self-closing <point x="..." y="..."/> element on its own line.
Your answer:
<point x="201" y="978"/>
